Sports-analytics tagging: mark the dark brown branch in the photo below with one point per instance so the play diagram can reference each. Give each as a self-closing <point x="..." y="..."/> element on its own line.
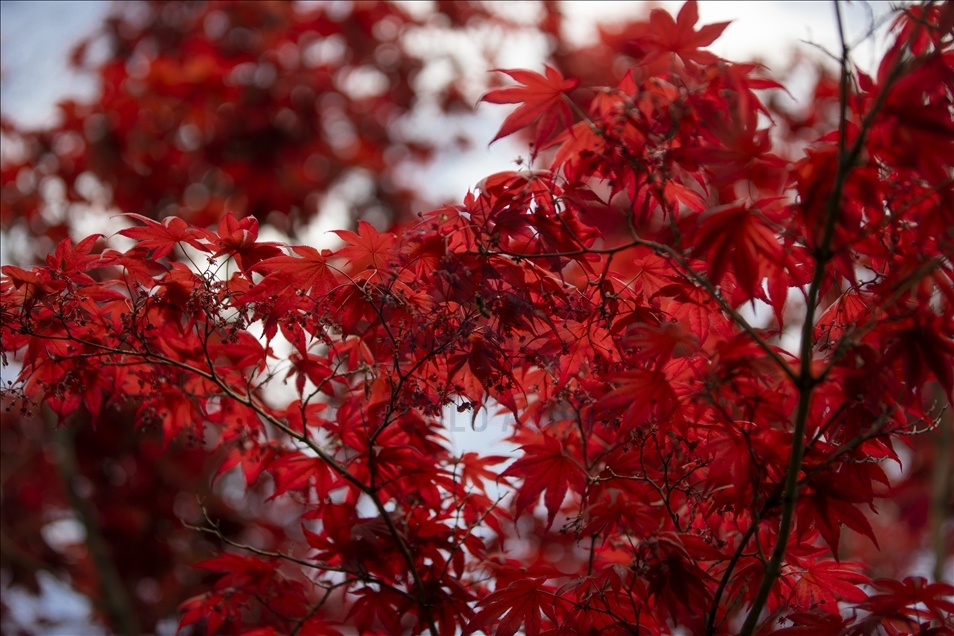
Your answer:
<point x="806" y="382"/>
<point x="116" y="603"/>
<point x="941" y="493"/>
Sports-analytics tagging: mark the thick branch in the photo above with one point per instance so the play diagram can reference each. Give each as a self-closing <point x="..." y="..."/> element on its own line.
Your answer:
<point x="116" y="602"/>
<point x="806" y="382"/>
<point x="941" y="492"/>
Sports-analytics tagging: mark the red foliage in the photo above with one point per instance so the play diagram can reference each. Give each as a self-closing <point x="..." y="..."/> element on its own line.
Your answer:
<point x="543" y="103"/>
<point x="694" y="474"/>
<point x="258" y="108"/>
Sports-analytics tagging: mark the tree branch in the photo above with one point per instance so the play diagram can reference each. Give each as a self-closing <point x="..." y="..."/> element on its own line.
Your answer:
<point x="115" y="600"/>
<point x="940" y="494"/>
<point x="806" y="382"/>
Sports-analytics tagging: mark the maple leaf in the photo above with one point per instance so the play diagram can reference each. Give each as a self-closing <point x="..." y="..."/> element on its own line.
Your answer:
<point x="839" y="317"/>
<point x="664" y="35"/>
<point x="825" y="583"/>
<point x="610" y="357"/>
<point x="663" y="342"/>
<point x="239" y="239"/>
<point x="542" y="99"/>
<point x="732" y="462"/>
<point x="73" y="261"/>
<point x="174" y="411"/>
<point x="251" y="456"/>
<point x="299" y="417"/>
<point x="316" y="626"/>
<point x="246" y="352"/>
<point x="546" y="467"/>
<point x="162" y="238"/>
<point x="690" y="307"/>
<point x="32" y="286"/>
<point x="831" y="505"/>
<point x="521" y="603"/>
<point x="489" y="365"/>
<point x="613" y="512"/>
<point x="923" y="345"/>
<point x="306" y="366"/>
<point x="674" y="576"/>
<point x="236" y="563"/>
<point x="137" y="267"/>
<point x="379" y="605"/>
<point x="243" y="577"/>
<point x="902" y="599"/>
<point x="736" y="235"/>
<point x="295" y="471"/>
<point x="368" y="249"/>
<point x="475" y="469"/>
<point x="582" y="352"/>
<point x="580" y="147"/>
<point x="204" y="607"/>
<point x="654" y="273"/>
<point x="641" y="393"/>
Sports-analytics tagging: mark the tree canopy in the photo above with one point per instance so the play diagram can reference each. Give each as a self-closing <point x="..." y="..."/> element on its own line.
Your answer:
<point x="254" y="437"/>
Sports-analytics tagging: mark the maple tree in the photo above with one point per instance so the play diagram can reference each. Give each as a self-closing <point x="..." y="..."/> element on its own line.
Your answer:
<point x="676" y="467"/>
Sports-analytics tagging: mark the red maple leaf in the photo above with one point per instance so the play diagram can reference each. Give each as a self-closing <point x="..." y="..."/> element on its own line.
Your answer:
<point x="644" y="408"/>
<point x="840" y="315"/>
<point x="903" y="599"/>
<point x="736" y="236"/>
<point x="307" y="272"/>
<point x="641" y="393"/>
<point x="922" y="347"/>
<point x="368" y="249"/>
<point x="825" y="583"/>
<point x="808" y="624"/>
<point x="663" y="35"/>
<point x="31" y="286"/>
<point x="475" y="469"/>
<point x="542" y="99"/>
<point x="546" y="467"/>
<point x="239" y="239"/>
<point x="163" y="237"/>
<point x="138" y="268"/>
<point x="518" y="604"/>
<point x="379" y="605"/>
<point x="174" y="411"/>
<point x="246" y="352"/>
<point x="295" y="471"/>
<point x="71" y="261"/>
<point x="833" y="505"/>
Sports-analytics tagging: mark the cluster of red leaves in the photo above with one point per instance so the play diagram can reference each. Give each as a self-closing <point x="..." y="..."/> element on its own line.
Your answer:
<point x="258" y="108"/>
<point x="167" y="72"/>
<point x="692" y="473"/>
